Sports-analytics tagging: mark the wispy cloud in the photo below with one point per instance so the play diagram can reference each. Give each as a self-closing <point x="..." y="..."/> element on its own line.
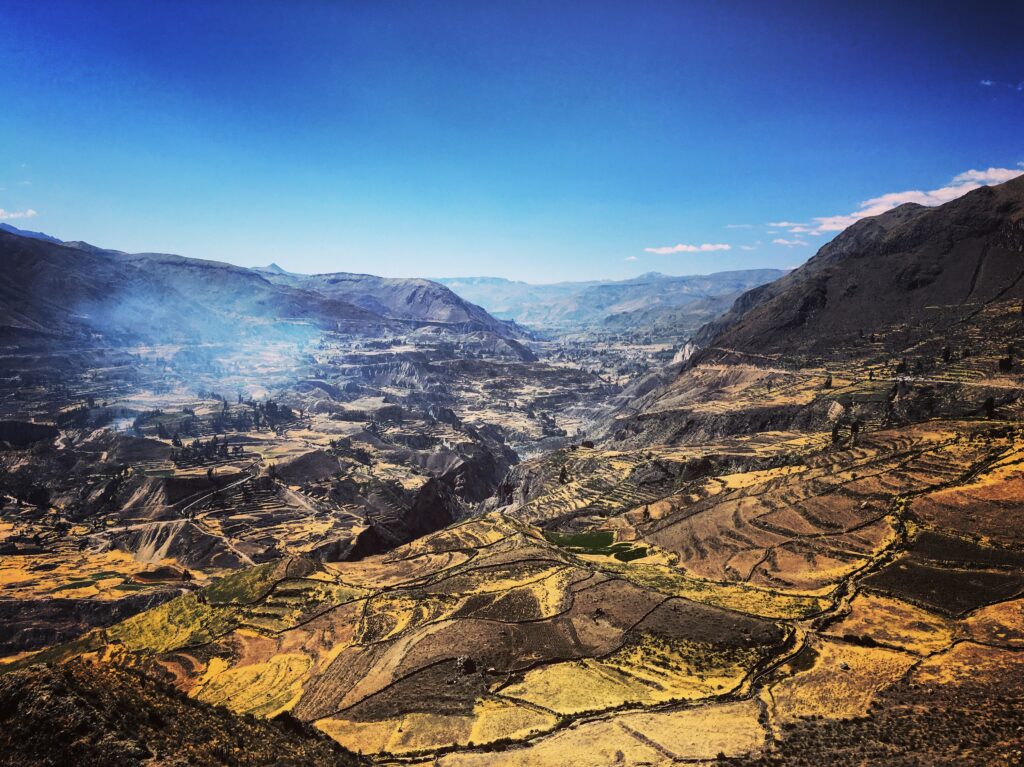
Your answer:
<point x="681" y="248"/>
<point x="788" y="243"/>
<point x="738" y="226"/>
<point x="784" y="224"/>
<point x="960" y="185"/>
<point x="1016" y="86"/>
<point x="748" y="247"/>
<point x="631" y="258"/>
<point x="10" y="215"/>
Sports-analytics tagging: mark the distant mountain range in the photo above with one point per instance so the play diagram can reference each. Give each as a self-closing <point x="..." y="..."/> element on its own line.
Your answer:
<point x="74" y="290"/>
<point x="653" y="302"/>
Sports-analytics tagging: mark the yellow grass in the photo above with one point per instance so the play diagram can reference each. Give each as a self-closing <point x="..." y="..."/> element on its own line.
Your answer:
<point x="1000" y="624"/>
<point x="842" y="682"/>
<point x="896" y="623"/>
<point x="635" y="740"/>
<point x="735" y="596"/>
<point x="263" y="689"/>
<point x="651" y="670"/>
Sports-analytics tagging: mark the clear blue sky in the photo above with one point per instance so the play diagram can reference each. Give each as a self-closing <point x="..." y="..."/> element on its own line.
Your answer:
<point x="538" y="141"/>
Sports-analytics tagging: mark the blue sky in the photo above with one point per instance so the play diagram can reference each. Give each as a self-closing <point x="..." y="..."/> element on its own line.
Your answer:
<point x="537" y="141"/>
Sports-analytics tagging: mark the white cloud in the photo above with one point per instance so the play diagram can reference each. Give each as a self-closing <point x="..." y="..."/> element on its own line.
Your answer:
<point x="747" y="247"/>
<point x="10" y="215"/>
<point x="631" y="258"/>
<point x="784" y="224"/>
<point x="987" y="83"/>
<point x="788" y="243"/>
<point x="738" y="226"/>
<point x="680" y="248"/>
<point x="990" y="176"/>
<point x="960" y="185"/>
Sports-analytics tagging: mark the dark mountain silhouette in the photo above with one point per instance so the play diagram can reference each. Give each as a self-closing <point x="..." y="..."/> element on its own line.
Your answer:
<point x="26" y="233"/>
<point x="918" y="310"/>
<point x="926" y="267"/>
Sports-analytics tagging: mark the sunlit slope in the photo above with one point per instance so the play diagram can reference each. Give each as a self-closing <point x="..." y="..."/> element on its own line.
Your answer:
<point x="481" y="633"/>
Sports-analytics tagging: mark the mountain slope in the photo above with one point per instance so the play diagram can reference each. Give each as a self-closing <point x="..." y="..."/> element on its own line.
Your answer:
<point x="53" y="290"/>
<point x="74" y="291"/>
<point x="110" y="715"/>
<point x="910" y="315"/>
<point x="933" y="267"/>
<point x="404" y="299"/>
<point x="26" y="233"/>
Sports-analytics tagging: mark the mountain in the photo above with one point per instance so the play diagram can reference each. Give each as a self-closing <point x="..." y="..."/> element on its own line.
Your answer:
<point x="931" y="269"/>
<point x="53" y="291"/>
<point x="25" y="233"/>
<point x="404" y="299"/>
<point x="531" y="305"/>
<point x="802" y="538"/>
<point x="74" y="290"/>
<point x="909" y="315"/>
<point x="669" y="305"/>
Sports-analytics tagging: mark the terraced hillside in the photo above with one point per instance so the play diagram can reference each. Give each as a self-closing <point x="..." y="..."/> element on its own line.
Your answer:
<point x="647" y="608"/>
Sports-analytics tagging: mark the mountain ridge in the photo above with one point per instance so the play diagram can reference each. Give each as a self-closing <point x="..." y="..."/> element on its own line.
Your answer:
<point x="648" y="300"/>
<point x="883" y="267"/>
<point x="157" y="295"/>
